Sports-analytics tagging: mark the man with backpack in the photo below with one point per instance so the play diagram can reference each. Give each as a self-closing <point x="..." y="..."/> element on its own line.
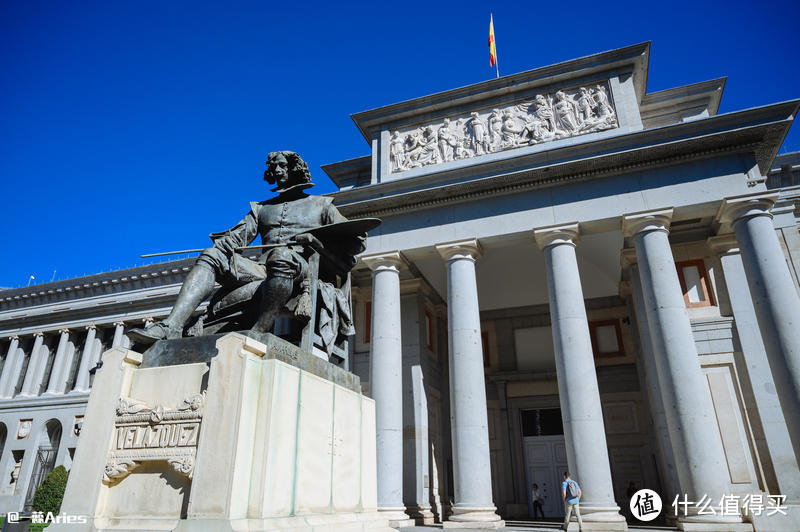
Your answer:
<point x="571" y="493"/>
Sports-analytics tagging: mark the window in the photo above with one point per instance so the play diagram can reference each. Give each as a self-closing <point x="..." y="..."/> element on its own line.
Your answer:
<point x="606" y="339"/>
<point x="487" y="361"/>
<point x="541" y="422"/>
<point x="429" y="330"/>
<point x="694" y="283"/>
<point x="367" y="321"/>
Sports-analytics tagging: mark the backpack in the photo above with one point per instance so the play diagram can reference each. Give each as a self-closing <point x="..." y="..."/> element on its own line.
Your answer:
<point x="572" y="489"/>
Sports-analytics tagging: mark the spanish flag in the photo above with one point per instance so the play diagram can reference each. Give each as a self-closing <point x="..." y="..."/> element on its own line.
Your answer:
<point x="492" y="48"/>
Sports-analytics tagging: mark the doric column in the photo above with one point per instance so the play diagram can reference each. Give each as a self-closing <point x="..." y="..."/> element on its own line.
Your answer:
<point x="653" y="386"/>
<point x="87" y="356"/>
<point x="386" y="384"/>
<point x="773" y="420"/>
<point x="774" y="295"/>
<point x="472" y="472"/>
<point x="119" y="334"/>
<point x="56" y="385"/>
<point x="9" y="374"/>
<point x="29" y="385"/>
<point x="579" y="395"/>
<point x="693" y="430"/>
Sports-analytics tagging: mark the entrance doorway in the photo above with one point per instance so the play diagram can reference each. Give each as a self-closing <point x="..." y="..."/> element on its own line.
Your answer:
<point x="545" y="456"/>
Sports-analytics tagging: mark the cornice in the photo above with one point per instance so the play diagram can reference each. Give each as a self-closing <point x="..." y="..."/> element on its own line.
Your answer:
<point x="44" y="401"/>
<point x="755" y="131"/>
<point x="61" y="293"/>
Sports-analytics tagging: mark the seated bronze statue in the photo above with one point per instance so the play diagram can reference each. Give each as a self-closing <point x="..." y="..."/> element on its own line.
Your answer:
<point x="308" y="248"/>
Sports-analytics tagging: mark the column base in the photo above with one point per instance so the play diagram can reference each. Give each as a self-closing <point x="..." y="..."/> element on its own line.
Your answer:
<point x="713" y="523"/>
<point x="488" y="525"/>
<point x="422" y="515"/>
<point x="599" y="526"/>
<point x="397" y="517"/>
<point x="472" y="517"/>
<point x="714" y="527"/>
<point x="596" y="517"/>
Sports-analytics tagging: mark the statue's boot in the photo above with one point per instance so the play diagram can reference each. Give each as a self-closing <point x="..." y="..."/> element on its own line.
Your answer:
<point x="197" y="287"/>
<point x="154" y="332"/>
<point x="275" y="292"/>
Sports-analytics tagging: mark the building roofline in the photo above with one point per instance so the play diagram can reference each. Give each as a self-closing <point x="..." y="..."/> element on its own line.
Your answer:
<point x="636" y="55"/>
<point x="711" y="89"/>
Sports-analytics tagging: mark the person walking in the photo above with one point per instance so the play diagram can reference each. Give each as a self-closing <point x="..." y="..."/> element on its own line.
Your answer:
<point x="538" y="500"/>
<point x="571" y="493"/>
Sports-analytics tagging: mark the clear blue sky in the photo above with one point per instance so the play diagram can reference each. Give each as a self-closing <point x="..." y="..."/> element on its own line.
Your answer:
<point x="134" y="127"/>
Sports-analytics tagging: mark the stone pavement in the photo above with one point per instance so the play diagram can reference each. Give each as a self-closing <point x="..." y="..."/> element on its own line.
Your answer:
<point x="531" y="526"/>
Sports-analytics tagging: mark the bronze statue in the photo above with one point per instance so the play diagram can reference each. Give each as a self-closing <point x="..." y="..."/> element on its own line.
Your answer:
<point x="295" y="229"/>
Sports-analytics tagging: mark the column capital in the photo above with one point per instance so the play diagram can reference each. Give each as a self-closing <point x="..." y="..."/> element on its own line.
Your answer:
<point x="627" y="258"/>
<point x="63" y="330"/>
<point x="723" y="244"/>
<point x="460" y="249"/>
<point x="746" y="206"/>
<point x="14" y="337"/>
<point x="646" y="221"/>
<point x="90" y="326"/>
<point x="392" y="260"/>
<point x="554" y="235"/>
<point x="38" y="333"/>
<point x="117" y="323"/>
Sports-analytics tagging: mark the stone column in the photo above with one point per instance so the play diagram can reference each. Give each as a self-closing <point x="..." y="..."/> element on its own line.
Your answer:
<point x="119" y="335"/>
<point x="9" y="374"/>
<point x="579" y="395"/>
<point x="386" y="384"/>
<point x="693" y="429"/>
<point x="775" y="297"/>
<point x="87" y="357"/>
<point x="664" y="446"/>
<point x="472" y="473"/>
<point x="773" y="420"/>
<point x="56" y="384"/>
<point x="29" y="385"/>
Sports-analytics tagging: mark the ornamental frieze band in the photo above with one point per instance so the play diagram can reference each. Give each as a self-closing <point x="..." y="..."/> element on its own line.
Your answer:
<point x="548" y="116"/>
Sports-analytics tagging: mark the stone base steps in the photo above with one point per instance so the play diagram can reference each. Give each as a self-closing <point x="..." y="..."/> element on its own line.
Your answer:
<point x="538" y="526"/>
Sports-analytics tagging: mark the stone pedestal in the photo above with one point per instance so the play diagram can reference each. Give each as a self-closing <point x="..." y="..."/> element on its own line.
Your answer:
<point x="224" y="433"/>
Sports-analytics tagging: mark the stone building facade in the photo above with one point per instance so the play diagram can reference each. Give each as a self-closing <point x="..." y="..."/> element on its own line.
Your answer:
<point x="572" y="273"/>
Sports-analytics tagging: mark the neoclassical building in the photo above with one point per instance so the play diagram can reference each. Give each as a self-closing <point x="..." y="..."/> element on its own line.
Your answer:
<point x="572" y="273"/>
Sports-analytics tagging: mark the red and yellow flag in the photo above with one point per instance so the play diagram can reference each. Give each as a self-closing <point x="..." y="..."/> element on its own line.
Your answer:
<point x="492" y="49"/>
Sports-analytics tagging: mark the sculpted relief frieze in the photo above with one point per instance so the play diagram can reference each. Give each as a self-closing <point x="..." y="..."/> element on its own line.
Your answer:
<point x="548" y="116"/>
<point x="143" y="433"/>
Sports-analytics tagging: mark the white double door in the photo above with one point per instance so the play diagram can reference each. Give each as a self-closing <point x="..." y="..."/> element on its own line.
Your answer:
<point x="545" y="463"/>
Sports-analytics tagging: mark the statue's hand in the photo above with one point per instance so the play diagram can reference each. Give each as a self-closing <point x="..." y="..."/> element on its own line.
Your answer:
<point x="226" y="244"/>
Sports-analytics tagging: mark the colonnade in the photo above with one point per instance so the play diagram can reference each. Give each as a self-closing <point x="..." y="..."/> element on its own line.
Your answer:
<point x="688" y="434"/>
<point x="61" y="349"/>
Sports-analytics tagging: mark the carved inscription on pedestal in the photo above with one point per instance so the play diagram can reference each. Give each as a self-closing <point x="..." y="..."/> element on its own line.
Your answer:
<point x="545" y="117"/>
<point x="144" y="433"/>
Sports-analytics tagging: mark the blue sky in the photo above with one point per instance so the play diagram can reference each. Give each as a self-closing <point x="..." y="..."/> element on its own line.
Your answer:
<point x="135" y="127"/>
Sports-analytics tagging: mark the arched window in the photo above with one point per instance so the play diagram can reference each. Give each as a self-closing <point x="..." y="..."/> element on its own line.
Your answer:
<point x="3" y="434"/>
<point x="49" y="440"/>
